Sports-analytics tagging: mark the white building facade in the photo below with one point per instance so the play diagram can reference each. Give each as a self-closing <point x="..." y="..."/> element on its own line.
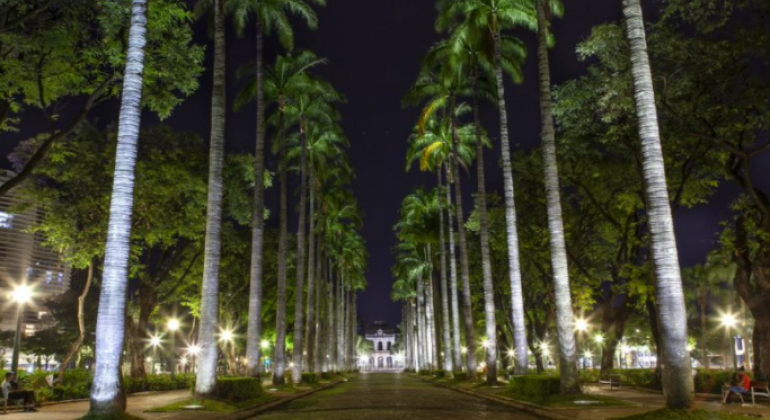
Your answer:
<point x="383" y="357"/>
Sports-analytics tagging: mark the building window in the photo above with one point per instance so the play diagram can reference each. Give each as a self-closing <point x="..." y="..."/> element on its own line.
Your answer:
<point x="29" y="330"/>
<point x="389" y="343"/>
<point x="6" y="220"/>
<point x="379" y="346"/>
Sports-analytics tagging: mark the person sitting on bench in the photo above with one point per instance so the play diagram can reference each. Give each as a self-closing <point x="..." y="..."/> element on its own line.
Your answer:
<point x="741" y="384"/>
<point x="11" y="390"/>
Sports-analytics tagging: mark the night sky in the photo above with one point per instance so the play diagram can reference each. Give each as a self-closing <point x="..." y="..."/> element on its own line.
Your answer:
<point x="374" y="49"/>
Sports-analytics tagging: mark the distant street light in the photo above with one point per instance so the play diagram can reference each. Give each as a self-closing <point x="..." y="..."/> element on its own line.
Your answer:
<point x="173" y="326"/>
<point x="265" y="344"/>
<point x="226" y="336"/>
<point x="21" y="295"/>
<point x="581" y="326"/>
<point x="730" y="322"/>
<point x="192" y="351"/>
<point x="155" y="342"/>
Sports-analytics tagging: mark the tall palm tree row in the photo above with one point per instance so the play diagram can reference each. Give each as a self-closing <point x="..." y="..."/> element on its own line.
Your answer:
<point x="471" y="64"/>
<point x="107" y="393"/>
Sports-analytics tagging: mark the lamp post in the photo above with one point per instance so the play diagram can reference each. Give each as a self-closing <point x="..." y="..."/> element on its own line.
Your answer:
<point x="173" y="327"/>
<point x="155" y="343"/>
<point x="581" y="326"/>
<point x="21" y="295"/>
<point x="729" y="321"/>
<point x="226" y="337"/>
<point x="192" y="351"/>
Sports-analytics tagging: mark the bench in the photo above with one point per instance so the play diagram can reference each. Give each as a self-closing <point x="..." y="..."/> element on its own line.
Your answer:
<point x="614" y="381"/>
<point x="16" y="401"/>
<point x="761" y="389"/>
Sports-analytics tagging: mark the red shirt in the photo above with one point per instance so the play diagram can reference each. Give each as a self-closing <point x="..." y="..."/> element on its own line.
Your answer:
<point x="746" y="382"/>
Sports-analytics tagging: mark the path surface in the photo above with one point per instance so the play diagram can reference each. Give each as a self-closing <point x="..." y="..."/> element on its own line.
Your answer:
<point x="389" y="397"/>
<point x="137" y="403"/>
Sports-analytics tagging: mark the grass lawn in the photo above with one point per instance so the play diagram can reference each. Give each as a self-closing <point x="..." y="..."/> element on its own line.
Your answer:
<point x="669" y="414"/>
<point x="568" y="401"/>
<point x="214" y="405"/>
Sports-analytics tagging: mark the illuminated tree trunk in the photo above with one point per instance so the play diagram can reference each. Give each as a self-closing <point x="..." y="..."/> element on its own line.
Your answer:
<point x="430" y="318"/>
<point x="677" y="377"/>
<point x="458" y="361"/>
<point x="280" y="317"/>
<point x="446" y="334"/>
<point x="330" y="345"/>
<point x="107" y="394"/>
<point x="81" y="324"/>
<point x="514" y="264"/>
<point x="565" y="318"/>
<point x="470" y="331"/>
<point x="486" y="262"/>
<point x="207" y="334"/>
<point x="299" y="293"/>
<point x="310" y="336"/>
<point x="254" y="327"/>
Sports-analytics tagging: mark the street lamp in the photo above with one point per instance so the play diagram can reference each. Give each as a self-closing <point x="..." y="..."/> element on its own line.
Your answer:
<point x="729" y="321"/>
<point x="21" y="295"/>
<point x="154" y="343"/>
<point x="173" y="327"/>
<point x="581" y="326"/>
<point x="193" y="350"/>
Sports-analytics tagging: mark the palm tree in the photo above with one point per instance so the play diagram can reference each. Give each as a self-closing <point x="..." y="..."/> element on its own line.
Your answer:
<point x="205" y="379"/>
<point x="487" y="19"/>
<point x="677" y="377"/>
<point x="439" y="144"/>
<point x="565" y="318"/>
<point x="311" y="106"/>
<point x="107" y="394"/>
<point x="270" y="17"/>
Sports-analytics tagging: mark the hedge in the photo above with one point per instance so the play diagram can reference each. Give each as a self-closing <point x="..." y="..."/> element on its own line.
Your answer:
<point x="327" y="376"/>
<point x="238" y="389"/>
<point x="439" y="373"/>
<point x="162" y="382"/>
<point x="309" y="378"/>
<point x="461" y="376"/>
<point x="535" y="385"/>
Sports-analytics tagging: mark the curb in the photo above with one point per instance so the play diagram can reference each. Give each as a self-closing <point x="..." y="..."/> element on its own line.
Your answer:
<point x="251" y="411"/>
<point x="523" y="406"/>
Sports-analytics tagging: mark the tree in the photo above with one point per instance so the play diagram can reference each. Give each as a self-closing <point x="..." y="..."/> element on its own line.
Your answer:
<point x="208" y="342"/>
<point x="270" y="17"/>
<point x="56" y="50"/>
<point x="489" y="18"/>
<point x="677" y="380"/>
<point x="107" y="394"/>
<point x="565" y="318"/>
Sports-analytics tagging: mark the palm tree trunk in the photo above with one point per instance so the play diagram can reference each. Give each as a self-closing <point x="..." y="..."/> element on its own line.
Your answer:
<point x="254" y="328"/>
<point x="76" y="346"/>
<point x="458" y="362"/>
<point x="514" y="264"/>
<point x="340" y="321"/>
<point x="565" y="318"/>
<point x="446" y="334"/>
<point x="677" y="378"/>
<point x="299" y="294"/>
<point x="207" y="334"/>
<point x="318" y="336"/>
<point x="311" y="292"/>
<point x="470" y="332"/>
<point x="330" y="317"/>
<point x="107" y="393"/>
<point x="430" y="316"/>
<point x="280" y="317"/>
<point x="486" y="263"/>
<point x="351" y="331"/>
<point x="421" y="323"/>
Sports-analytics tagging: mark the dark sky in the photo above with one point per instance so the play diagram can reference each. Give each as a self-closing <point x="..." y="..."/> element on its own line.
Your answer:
<point x="374" y="49"/>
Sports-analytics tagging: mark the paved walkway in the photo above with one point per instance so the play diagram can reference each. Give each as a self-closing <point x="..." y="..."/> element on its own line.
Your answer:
<point x="137" y="403"/>
<point x="382" y="396"/>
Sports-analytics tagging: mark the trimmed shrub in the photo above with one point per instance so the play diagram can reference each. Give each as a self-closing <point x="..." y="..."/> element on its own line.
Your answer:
<point x="327" y="376"/>
<point x="711" y="381"/>
<point x="590" y="376"/>
<point x="644" y="378"/>
<point x="237" y="389"/>
<point x="535" y="385"/>
<point x="461" y="376"/>
<point x="309" y="378"/>
<point x="439" y="373"/>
